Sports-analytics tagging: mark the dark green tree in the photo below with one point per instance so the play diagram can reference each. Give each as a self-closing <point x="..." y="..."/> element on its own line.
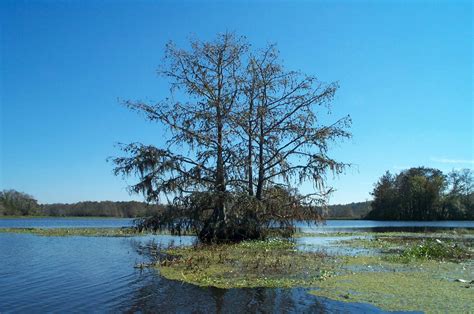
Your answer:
<point x="385" y="204"/>
<point x="420" y="192"/>
<point x="17" y="203"/>
<point x="423" y="194"/>
<point x="459" y="200"/>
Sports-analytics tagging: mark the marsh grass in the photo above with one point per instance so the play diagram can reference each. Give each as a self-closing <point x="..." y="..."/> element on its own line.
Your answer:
<point x="436" y="250"/>
<point x="405" y="247"/>
<point x="62" y="232"/>
<point x="86" y="232"/>
<point x="271" y="263"/>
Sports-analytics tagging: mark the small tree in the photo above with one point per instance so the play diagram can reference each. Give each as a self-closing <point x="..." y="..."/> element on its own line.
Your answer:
<point x="246" y="130"/>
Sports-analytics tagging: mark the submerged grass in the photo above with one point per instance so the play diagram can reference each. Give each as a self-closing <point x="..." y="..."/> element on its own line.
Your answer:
<point x="272" y="263"/>
<point x="58" y="217"/>
<point x="400" y="291"/>
<point x="417" y="272"/>
<point x="61" y="232"/>
<point x="404" y="234"/>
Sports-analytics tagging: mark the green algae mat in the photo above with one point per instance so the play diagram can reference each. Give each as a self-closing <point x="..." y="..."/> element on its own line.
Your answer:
<point x="433" y="281"/>
<point x="400" y="291"/>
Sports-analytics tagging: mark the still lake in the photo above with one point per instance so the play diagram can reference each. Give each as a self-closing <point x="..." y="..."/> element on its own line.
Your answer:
<point x="97" y="274"/>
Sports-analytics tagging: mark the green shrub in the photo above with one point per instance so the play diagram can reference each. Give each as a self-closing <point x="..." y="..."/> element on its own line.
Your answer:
<point x="435" y="250"/>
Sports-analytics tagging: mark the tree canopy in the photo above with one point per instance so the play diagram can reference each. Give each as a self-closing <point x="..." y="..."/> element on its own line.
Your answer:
<point x="13" y="202"/>
<point x="245" y="133"/>
<point x="424" y="194"/>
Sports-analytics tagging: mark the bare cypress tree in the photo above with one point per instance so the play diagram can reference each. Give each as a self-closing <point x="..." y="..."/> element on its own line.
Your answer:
<point x="247" y="131"/>
<point x="281" y="123"/>
<point x="209" y="75"/>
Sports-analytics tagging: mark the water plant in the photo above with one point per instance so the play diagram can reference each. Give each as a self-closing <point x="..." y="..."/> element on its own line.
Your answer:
<point x="400" y="291"/>
<point x="271" y="263"/>
<point x="61" y="232"/>
<point x="423" y="275"/>
<point x="436" y="250"/>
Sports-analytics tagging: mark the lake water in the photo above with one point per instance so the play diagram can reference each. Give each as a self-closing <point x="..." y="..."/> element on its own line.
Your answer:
<point x="383" y="226"/>
<point x="328" y="226"/>
<point x="96" y="274"/>
<point x="65" y="222"/>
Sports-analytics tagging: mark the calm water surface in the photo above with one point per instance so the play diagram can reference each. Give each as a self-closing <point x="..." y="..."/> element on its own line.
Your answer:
<point x="65" y="222"/>
<point x="96" y="274"/>
<point x="383" y="226"/>
<point x="328" y="226"/>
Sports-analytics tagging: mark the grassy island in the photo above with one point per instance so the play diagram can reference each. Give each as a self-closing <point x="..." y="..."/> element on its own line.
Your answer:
<point x="407" y="271"/>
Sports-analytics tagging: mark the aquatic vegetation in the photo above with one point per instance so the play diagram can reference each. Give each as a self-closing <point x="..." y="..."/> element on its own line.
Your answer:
<point x="437" y="250"/>
<point x="60" y="232"/>
<point x="438" y="277"/>
<point x="403" y="246"/>
<point x="458" y="232"/>
<point x="271" y="263"/>
<point x="300" y="234"/>
<point x="400" y="291"/>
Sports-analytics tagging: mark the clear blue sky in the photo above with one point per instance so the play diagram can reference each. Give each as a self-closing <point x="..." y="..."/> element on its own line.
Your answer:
<point x="405" y="69"/>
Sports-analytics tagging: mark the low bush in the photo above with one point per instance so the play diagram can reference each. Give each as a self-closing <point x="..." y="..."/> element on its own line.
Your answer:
<point x="435" y="250"/>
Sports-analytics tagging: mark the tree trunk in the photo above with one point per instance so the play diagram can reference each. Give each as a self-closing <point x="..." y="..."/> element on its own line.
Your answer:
<point x="261" y="172"/>
<point x="215" y="227"/>
<point x="250" y="150"/>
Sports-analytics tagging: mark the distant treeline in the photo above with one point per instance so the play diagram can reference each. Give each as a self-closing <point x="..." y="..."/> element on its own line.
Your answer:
<point x="14" y="203"/>
<point x="424" y="194"/>
<point x="414" y="194"/>
<point x="101" y="209"/>
<point x="348" y="211"/>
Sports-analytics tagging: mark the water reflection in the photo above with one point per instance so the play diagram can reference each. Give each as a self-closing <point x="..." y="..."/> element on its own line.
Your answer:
<point x="166" y="296"/>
